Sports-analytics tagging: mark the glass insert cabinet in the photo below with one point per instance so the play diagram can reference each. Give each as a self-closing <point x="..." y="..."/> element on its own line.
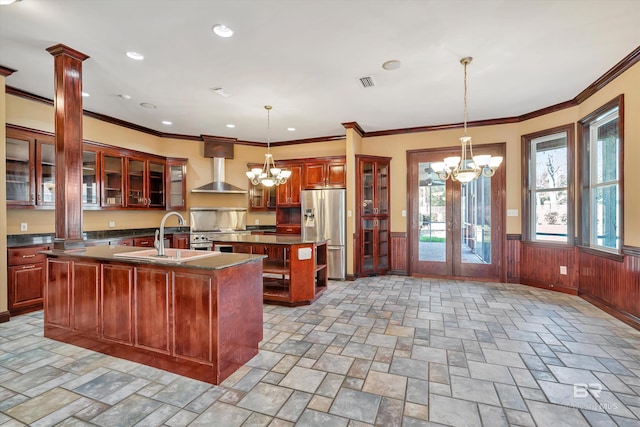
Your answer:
<point x="373" y="233"/>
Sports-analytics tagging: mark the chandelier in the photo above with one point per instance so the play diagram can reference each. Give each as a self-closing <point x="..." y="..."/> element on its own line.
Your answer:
<point x="269" y="175"/>
<point x="460" y="168"/>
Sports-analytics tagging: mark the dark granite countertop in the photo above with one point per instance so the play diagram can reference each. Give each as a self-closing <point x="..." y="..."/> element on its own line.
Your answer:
<point x="280" y="239"/>
<point x="217" y="260"/>
<point x="18" y="240"/>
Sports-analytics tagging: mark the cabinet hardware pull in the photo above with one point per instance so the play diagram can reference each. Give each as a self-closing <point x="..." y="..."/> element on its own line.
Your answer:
<point x="24" y="267"/>
<point x="28" y="256"/>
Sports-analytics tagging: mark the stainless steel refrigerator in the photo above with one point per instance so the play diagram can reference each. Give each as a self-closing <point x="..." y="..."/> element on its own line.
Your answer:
<point x="323" y="217"/>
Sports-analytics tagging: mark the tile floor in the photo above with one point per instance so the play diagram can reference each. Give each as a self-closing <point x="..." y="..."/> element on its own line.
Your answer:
<point x="385" y="351"/>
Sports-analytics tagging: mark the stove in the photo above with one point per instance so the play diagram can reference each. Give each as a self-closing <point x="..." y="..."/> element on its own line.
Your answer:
<point x="208" y="223"/>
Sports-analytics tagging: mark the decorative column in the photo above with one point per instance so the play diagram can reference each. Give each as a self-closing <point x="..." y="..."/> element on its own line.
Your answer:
<point x="68" y="145"/>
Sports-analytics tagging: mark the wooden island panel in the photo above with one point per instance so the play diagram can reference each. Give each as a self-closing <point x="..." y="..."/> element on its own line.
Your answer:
<point x="200" y="322"/>
<point x="117" y="303"/>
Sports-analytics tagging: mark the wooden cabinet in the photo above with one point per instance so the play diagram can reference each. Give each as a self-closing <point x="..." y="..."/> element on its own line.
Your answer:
<point x="176" y="184"/>
<point x="26" y="276"/>
<point x="324" y="173"/>
<point x="180" y="241"/>
<point x="204" y="324"/>
<point x="30" y="163"/>
<point x="146" y="241"/>
<point x="112" y="182"/>
<point x="288" y="194"/>
<point x="262" y="198"/>
<point x="112" y="178"/>
<point x="145" y="182"/>
<point x="372" y="198"/>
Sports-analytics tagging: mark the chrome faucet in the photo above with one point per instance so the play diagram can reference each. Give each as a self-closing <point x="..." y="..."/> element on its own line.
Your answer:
<point x="159" y="240"/>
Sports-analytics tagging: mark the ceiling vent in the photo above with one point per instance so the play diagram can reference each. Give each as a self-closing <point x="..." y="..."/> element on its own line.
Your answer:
<point x="366" y="81"/>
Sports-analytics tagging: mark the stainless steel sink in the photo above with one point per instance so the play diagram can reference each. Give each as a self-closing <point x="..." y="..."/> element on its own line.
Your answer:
<point x="170" y="255"/>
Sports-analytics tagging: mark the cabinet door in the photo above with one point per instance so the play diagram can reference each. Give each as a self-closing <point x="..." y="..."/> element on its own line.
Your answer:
<point x="176" y="184"/>
<point x="367" y="175"/>
<point x="151" y="309"/>
<point x="180" y="241"/>
<point x="136" y="195"/>
<point x="45" y="174"/>
<point x="146" y="242"/>
<point x="20" y="176"/>
<point x="112" y="180"/>
<point x="295" y="183"/>
<point x="117" y="303"/>
<point x="84" y="294"/>
<point x="335" y="175"/>
<point x="155" y="184"/>
<point x="382" y="188"/>
<point x="194" y="317"/>
<point x="315" y="175"/>
<point x="26" y="286"/>
<point x="90" y="178"/>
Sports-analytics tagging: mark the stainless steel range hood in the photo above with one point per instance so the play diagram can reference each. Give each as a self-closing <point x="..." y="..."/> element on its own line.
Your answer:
<point x="219" y="185"/>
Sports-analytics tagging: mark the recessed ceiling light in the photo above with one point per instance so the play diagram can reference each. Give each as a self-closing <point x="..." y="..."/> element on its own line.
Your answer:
<point x="124" y="96"/>
<point x="85" y="94"/>
<point x="392" y="64"/>
<point x="230" y="125"/>
<point x="7" y="2"/>
<point x="221" y="91"/>
<point x="148" y="105"/>
<point x="135" y="55"/>
<point x="222" y="30"/>
<point x="167" y="122"/>
<point x="291" y="129"/>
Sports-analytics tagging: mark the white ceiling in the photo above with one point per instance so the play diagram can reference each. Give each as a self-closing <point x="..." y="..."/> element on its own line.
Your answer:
<point x="304" y="57"/>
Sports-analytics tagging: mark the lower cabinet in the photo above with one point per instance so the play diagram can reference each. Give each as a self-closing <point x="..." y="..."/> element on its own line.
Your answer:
<point x="204" y="325"/>
<point x="26" y="276"/>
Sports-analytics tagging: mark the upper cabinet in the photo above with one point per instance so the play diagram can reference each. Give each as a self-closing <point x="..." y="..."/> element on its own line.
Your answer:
<point x="112" y="178"/>
<point x="30" y="163"/>
<point x="323" y="173"/>
<point x="176" y="184"/>
<point x="145" y="182"/>
<point x="288" y="194"/>
<point x="373" y="180"/>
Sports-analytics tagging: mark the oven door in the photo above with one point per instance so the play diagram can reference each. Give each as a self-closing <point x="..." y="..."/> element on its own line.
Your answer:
<point x="201" y="246"/>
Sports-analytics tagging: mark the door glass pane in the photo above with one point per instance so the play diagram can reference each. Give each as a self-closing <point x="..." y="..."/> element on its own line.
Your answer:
<point x="112" y="180"/>
<point x="367" y="244"/>
<point x="136" y="182"/>
<point x="89" y="178"/>
<point x="383" y="244"/>
<point x="156" y="184"/>
<point x="48" y="185"/>
<point x="383" y="185"/>
<point x="367" y="189"/>
<point x="475" y="209"/>
<point x="18" y="171"/>
<point x="432" y="214"/>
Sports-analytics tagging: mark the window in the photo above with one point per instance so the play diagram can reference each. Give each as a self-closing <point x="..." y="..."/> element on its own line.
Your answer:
<point x="601" y="159"/>
<point x="548" y="185"/>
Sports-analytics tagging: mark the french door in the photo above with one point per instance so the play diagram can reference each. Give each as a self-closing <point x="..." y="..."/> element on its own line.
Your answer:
<point x="455" y="229"/>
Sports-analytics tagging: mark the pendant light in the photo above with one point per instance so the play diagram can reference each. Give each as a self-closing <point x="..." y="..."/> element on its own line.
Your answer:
<point x="269" y="175"/>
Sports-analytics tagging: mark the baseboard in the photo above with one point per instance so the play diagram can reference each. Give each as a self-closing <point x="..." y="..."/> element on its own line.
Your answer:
<point x="623" y="316"/>
<point x="5" y="316"/>
<point x="350" y="277"/>
<point x="398" y="272"/>
<point x="550" y="287"/>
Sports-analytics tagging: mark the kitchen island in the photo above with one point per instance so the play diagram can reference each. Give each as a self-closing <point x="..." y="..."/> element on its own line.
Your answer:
<point x="200" y="317"/>
<point x="295" y="269"/>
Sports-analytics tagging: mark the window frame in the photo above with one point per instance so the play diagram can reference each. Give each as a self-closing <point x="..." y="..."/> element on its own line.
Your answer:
<point x="527" y="168"/>
<point x="584" y="180"/>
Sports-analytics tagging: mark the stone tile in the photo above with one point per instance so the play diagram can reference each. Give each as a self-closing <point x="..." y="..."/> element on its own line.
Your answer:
<point x="221" y="414"/>
<point x="334" y="363"/>
<point x="29" y="411"/>
<point x="356" y="405"/>
<point x="303" y="379"/>
<point x="311" y="418"/>
<point x="474" y="390"/>
<point x="181" y="419"/>
<point x="320" y="403"/>
<point x="182" y="391"/>
<point x="410" y="368"/>
<point x="456" y="412"/>
<point x="490" y="372"/>
<point x="493" y="416"/>
<point x="545" y="414"/>
<point x="127" y="412"/>
<point x="265" y="398"/>
<point x="384" y="384"/>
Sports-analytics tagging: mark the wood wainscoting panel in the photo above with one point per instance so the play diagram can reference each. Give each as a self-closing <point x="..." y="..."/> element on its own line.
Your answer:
<point x="58" y="293"/>
<point x="399" y="255"/>
<point x="540" y="266"/>
<point x="512" y="254"/>
<point x="612" y="285"/>
<point x="85" y="309"/>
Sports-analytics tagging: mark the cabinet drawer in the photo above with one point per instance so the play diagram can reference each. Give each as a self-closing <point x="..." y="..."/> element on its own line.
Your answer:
<point x="288" y="229"/>
<point x="28" y="255"/>
<point x="143" y="241"/>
